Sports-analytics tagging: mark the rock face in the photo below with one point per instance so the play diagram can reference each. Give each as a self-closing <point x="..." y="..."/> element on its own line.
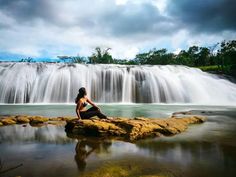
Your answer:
<point x="131" y="129"/>
<point x="32" y="120"/>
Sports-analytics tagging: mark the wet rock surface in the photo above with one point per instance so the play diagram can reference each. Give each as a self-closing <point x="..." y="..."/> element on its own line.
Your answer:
<point x="119" y="128"/>
<point x="32" y="120"/>
<point x="131" y="129"/>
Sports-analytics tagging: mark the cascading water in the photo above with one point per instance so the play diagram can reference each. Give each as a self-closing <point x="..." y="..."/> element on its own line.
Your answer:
<point x="59" y="83"/>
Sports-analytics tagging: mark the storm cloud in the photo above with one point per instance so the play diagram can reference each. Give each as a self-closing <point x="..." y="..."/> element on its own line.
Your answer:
<point x="134" y="19"/>
<point x="25" y="11"/>
<point x="208" y="16"/>
<point x="51" y="27"/>
<point x="105" y="17"/>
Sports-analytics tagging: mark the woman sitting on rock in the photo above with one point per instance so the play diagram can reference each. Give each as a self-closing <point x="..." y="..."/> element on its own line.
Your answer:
<point x="82" y="101"/>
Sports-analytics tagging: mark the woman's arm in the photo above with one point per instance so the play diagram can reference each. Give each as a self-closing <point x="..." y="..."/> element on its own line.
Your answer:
<point x="92" y="103"/>
<point x="78" y="108"/>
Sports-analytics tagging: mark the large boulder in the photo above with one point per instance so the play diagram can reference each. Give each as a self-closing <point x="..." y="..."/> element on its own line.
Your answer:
<point x="130" y="129"/>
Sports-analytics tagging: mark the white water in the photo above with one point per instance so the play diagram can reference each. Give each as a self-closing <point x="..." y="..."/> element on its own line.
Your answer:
<point x="59" y="83"/>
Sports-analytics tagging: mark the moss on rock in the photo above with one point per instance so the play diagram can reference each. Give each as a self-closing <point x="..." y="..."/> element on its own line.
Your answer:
<point x="22" y="119"/>
<point x="131" y="129"/>
<point x="36" y="120"/>
<point x="120" y="128"/>
<point x="8" y="121"/>
<point x="33" y="120"/>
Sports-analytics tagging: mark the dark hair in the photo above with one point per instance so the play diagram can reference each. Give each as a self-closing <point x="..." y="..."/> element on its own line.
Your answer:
<point x="81" y="94"/>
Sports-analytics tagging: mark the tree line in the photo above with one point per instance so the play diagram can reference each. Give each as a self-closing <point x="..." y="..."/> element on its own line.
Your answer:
<point x="220" y="57"/>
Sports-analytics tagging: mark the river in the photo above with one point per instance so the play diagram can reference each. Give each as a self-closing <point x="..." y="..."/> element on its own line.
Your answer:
<point x="208" y="149"/>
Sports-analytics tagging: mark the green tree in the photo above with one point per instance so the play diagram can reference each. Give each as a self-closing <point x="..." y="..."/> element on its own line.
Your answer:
<point x="183" y="59"/>
<point x="73" y="59"/>
<point x="227" y="56"/>
<point x="203" y="57"/>
<point x="143" y="58"/>
<point x="213" y="57"/>
<point x="155" y="57"/>
<point x="101" y="56"/>
<point x="29" y="59"/>
<point x="193" y="54"/>
<point x="78" y="59"/>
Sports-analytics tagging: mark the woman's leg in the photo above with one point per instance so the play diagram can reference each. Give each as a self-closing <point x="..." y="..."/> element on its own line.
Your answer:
<point x="91" y="112"/>
<point x="92" y="109"/>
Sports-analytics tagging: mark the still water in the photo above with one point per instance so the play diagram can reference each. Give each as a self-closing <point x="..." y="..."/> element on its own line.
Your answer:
<point x="207" y="149"/>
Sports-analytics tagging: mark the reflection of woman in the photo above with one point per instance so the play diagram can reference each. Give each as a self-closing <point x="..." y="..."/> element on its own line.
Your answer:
<point x="82" y="101"/>
<point x="82" y="154"/>
<point x="85" y="147"/>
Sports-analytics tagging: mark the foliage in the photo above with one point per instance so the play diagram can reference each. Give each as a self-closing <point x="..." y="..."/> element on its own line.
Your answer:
<point x="226" y="57"/>
<point x="155" y="57"/>
<point x="73" y="59"/>
<point x="209" y="68"/>
<point x="205" y="58"/>
<point x="78" y="59"/>
<point x="101" y="56"/>
<point x="29" y="59"/>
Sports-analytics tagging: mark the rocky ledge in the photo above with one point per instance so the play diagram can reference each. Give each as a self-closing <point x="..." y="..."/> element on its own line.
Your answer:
<point x="32" y="120"/>
<point x="119" y="128"/>
<point x="131" y="129"/>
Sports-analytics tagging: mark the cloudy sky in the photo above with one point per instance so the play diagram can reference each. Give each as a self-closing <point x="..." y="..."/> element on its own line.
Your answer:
<point x="48" y="28"/>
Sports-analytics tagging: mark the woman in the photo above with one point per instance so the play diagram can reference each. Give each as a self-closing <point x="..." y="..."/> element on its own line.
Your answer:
<point x="82" y="101"/>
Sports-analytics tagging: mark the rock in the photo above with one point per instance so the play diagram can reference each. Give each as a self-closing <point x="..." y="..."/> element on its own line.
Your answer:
<point x="38" y="120"/>
<point x="33" y="120"/>
<point x="131" y="129"/>
<point x="120" y="127"/>
<point x="56" y="122"/>
<point x="153" y="176"/>
<point x="66" y="118"/>
<point x="22" y="119"/>
<point x="181" y="114"/>
<point x="8" y="121"/>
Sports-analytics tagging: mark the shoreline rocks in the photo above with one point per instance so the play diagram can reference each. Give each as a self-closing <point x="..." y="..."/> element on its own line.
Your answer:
<point x="121" y="128"/>
<point x="32" y="120"/>
<point x="130" y="129"/>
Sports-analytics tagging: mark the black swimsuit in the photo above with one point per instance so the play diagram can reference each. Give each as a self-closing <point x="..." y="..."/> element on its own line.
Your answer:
<point x="85" y="104"/>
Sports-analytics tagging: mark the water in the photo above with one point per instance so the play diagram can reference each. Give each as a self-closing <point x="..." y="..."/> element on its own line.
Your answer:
<point x="208" y="149"/>
<point x="59" y="83"/>
<point x="122" y="110"/>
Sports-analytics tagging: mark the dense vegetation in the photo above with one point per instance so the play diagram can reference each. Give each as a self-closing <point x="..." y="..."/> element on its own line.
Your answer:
<point x="219" y="58"/>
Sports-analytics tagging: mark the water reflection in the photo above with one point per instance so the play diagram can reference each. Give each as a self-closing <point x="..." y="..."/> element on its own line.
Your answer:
<point x="203" y="150"/>
<point x="190" y="155"/>
<point x="45" y="134"/>
<point x="85" y="147"/>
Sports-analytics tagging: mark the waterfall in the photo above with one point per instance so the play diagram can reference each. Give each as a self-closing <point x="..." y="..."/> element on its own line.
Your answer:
<point x="59" y="83"/>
